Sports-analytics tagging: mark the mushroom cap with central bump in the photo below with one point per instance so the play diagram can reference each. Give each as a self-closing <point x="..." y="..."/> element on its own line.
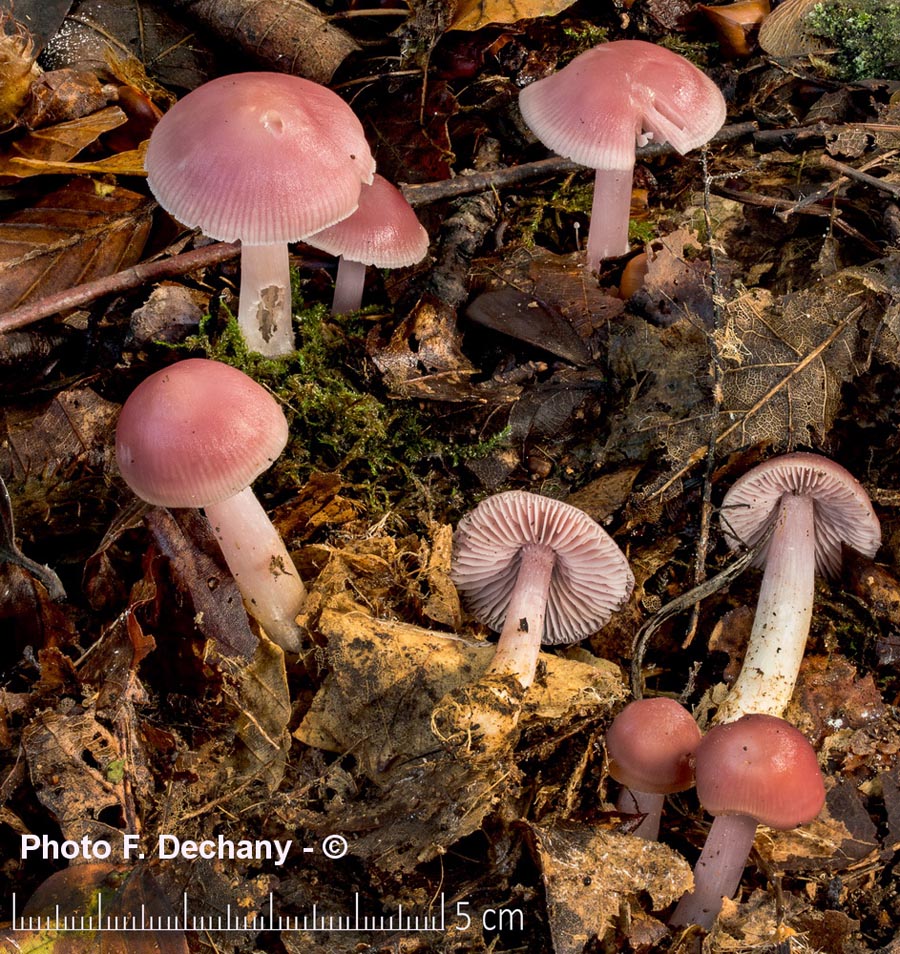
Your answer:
<point x="261" y="157"/>
<point x="590" y="580"/>
<point x="196" y="433"/>
<point x="843" y="511"/>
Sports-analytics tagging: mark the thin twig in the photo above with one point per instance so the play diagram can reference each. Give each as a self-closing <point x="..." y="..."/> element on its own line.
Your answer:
<point x="717" y="374"/>
<point x="890" y="187"/>
<point x="118" y="282"/>
<point x="690" y="599"/>
<point x="503" y="178"/>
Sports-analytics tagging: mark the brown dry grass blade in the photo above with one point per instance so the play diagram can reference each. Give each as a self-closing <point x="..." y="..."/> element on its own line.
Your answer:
<point x="80" y="232"/>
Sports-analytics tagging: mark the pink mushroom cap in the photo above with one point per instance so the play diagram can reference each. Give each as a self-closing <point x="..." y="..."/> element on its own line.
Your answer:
<point x="762" y="767"/>
<point x="598" y="107"/>
<point x="843" y="511"/>
<point x="651" y="744"/>
<point x="590" y="579"/>
<point x="260" y="157"/>
<point x="196" y="433"/>
<point x="383" y="231"/>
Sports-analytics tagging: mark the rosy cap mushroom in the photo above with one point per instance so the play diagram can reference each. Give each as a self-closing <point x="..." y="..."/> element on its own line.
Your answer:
<point x="757" y="770"/>
<point x="538" y="570"/>
<point x="606" y="101"/>
<point x="197" y="434"/>
<point x="650" y="745"/>
<point x="266" y="158"/>
<point x="815" y="506"/>
<point x="383" y="231"/>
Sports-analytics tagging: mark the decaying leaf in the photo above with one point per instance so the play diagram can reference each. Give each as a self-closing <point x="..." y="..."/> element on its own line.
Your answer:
<point x="82" y="231"/>
<point x="590" y="874"/>
<point x="386" y="678"/>
<point x="71" y="758"/>
<point x="290" y="35"/>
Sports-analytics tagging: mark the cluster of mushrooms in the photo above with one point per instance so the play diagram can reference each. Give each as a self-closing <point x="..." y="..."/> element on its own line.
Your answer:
<point x="272" y="159"/>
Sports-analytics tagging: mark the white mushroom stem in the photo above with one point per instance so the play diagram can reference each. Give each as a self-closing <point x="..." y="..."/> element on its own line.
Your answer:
<point x="520" y="639"/>
<point x="648" y="804"/>
<point x="783" y="614"/>
<point x="348" y="286"/>
<point x="610" y="212"/>
<point x="264" y="307"/>
<point x="718" y="871"/>
<point x="261" y="566"/>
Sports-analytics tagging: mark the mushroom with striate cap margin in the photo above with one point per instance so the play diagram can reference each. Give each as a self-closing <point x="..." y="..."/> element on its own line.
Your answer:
<point x="197" y="434"/>
<point x="608" y="100"/>
<point x="815" y="506"/>
<point x="266" y="158"/>
<point x="758" y="770"/>
<point x="383" y="231"/>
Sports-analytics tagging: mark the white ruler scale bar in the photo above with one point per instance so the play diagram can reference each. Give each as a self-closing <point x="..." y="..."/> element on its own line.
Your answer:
<point x="313" y="921"/>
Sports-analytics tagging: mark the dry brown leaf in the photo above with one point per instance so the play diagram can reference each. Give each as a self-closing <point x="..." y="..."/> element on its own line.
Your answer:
<point x="475" y="14"/>
<point x="82" y="231"/>
<point x="590" y="874"/>
<point x="75" y="427"/>
<point x="289" y="35"/>
<point x="388" y="676"/>
<point x="58" y="143"/>
<point x="130" y="163"/>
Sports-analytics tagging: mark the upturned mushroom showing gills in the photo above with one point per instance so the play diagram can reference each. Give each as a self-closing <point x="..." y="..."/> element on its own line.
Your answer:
<point x="197" y="434"/>
<point x="266" y="158"/>
<point x="539" y="571"/>
<point x="757" y="770"/>
<point x="812" y="506"/>
<point x="650" y="745"/>
<point x="606" y="101"/>
<point x="383" y="231"/>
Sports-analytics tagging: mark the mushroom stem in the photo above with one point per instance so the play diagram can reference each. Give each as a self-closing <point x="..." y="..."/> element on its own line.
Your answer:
<point x="520" y="639"/>
<point x="608" y="232"/>
<point x="648" y="804"/>
<point x="261" y="566"/>
<point x="783" y="614"/>
<point x="348" y="286"/>
<point x="718" y="871"/>
<point x="264" y="307"/>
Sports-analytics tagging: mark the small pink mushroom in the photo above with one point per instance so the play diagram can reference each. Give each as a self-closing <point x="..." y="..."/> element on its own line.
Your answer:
<point x="266" y="158"/>
<point x="605" y="102"/>
<point x="383" y="231"/>
<point x="197" y="434"/>
<point x="759" y="770"/>
<point x="651" y="745"/>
